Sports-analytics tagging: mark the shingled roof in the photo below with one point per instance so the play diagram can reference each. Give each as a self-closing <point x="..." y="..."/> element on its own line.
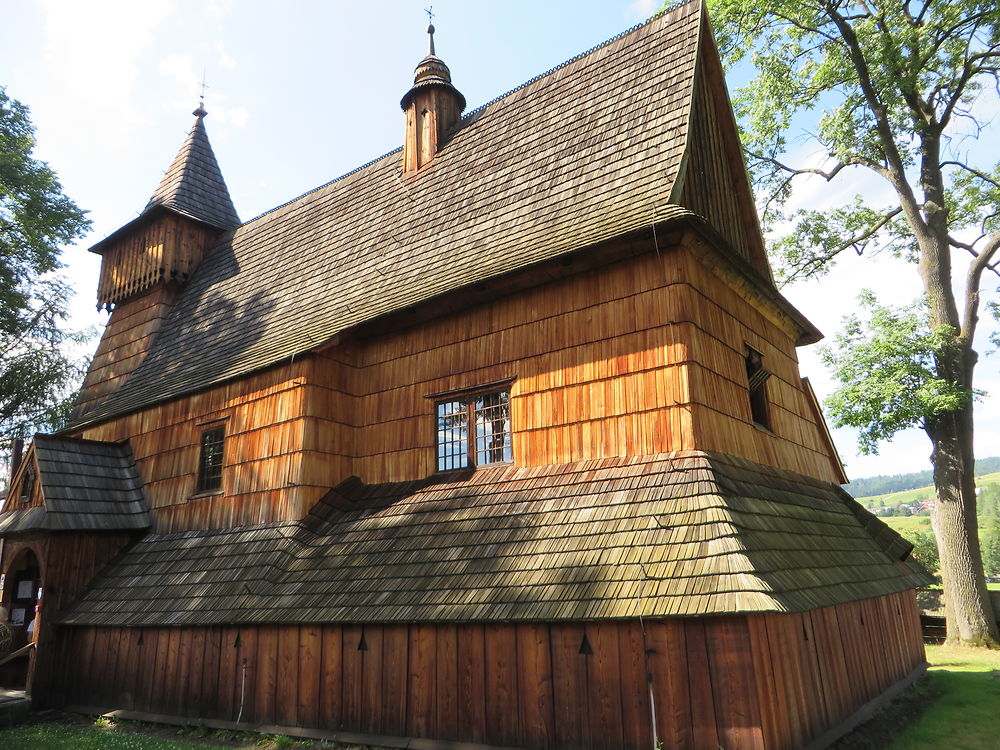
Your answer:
<point x="580" y="155"/>
<point x="193" y="185"/>
<point x="86" y="485"/>
<point x="669" y="535"/>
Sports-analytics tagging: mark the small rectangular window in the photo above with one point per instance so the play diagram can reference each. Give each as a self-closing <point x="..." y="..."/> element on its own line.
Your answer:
<point x="757" y="383"/>
<point x="473" y="431"/>
<point x="210" y="461"/>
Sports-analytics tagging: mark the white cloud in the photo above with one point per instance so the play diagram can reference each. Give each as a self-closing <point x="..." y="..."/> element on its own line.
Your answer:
<point x="180" y="69"/>
<point x="235" y="116"/>
<point x="218" y="9"/>
<point x="643" y="8"/>
<point x="92" y="53"/>
<point x="225" y="59"/>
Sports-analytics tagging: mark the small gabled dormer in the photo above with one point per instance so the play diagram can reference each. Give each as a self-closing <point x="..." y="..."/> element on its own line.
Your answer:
<point x="148" y="260"/>
<point x="187" y="213"/>
<point x="432" y="107"/>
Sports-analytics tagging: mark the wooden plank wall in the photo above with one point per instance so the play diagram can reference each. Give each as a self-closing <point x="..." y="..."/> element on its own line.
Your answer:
<point x="67" y="562"/>
<point x="763" y="682"/>
<point x="169" y="247"/>
<point x="263" y="417"/>
<point x="728" y="322"/>
<point x="638" y="357"/>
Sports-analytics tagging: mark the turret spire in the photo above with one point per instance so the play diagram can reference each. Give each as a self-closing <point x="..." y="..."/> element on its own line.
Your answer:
<point x="432" y="107"/>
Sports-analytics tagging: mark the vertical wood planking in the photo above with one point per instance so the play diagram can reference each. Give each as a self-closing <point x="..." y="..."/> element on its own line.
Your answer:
<point x="669" y="664"/>
<point x="446" y="703"/>
<point x="287" y="677"/>
<point x="331" y="714"/>
<point x="266" y="677"/>
<point x="371" y="680"/>
<point x="734" y="687"/>
<point x="604" y="692"/>
<point x="501" y="684"/>
<point x="534" y="685"/>
<point x="704" y="727"/>
<point x="569" y="682"/>
<point x="309" y="668"/>
<point x="636" y="716"/>
<point x="395" y="674"/>
<point x="421" y="691"/>
<point x="353" y="671"/>
<point x="472" y="683"/>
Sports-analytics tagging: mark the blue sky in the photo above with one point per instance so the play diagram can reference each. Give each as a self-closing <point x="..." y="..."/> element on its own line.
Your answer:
<point x="301" y="94"/>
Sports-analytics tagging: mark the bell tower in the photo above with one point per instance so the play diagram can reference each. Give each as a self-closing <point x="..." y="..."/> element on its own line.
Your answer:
<point x="146" y="262"/>
<point x="432" y="107"/>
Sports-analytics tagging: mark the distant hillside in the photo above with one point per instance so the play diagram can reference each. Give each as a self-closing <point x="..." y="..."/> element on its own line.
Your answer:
<point x="882" y="485"/>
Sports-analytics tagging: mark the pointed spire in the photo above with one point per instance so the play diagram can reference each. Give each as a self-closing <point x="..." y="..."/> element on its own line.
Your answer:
<point x="432" y="107"/>
<point x="193" y="186"/>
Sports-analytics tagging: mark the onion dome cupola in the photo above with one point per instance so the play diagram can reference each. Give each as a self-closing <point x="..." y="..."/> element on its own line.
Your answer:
<point x="188" y="213"/>
<point x="432" y="106"/>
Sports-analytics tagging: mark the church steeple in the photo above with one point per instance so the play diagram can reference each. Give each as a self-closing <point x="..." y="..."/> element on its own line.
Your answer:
<point x="432" y="107"/>
<point x="187" y="214"/>
<point x="193" y="186"/>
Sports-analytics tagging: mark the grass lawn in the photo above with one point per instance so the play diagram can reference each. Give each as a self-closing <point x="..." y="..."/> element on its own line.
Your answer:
<point x="966" y="712"/>
<point x="72" y="732"/>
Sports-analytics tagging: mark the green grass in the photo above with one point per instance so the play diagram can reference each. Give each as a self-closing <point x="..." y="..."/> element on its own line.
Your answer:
<point x="965" y="715"/>
<point x="908" y="523"/>
<point x="920" y="493"/>
<point x="74" y="732"/>
<point x="69" y="737"/>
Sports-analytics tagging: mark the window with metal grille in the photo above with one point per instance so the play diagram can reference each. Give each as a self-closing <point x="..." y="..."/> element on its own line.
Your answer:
<point x="757" y="383"/>
<point x="473" y="431"/>
<point x="210" y="462"/>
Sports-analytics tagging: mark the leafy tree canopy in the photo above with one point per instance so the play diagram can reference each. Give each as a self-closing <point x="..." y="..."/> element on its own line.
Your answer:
<point x="885" y="365"/>
<point x="36" y="218"/>
<point x="890" y="87"/>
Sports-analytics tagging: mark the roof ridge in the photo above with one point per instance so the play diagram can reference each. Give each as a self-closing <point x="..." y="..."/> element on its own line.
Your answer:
<point x="473" y="112"/>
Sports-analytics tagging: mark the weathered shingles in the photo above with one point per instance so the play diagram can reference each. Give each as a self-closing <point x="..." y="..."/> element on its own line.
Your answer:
<point x="532" y="543"/>
<point x="194" y="184"/>
<point x="86" y="486"/>
<point x="581" y="155"/>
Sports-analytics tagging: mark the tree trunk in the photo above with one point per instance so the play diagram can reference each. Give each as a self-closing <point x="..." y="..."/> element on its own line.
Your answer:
<point x="968" y="610"/>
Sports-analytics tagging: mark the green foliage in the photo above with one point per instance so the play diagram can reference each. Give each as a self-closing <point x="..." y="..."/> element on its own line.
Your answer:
<point x="991" y="548"/>
<point x="925" y="549"/>
<point x="880" y="86"/>
<point x="886" y="368"/>
<point x="36" y="218"/>
<point x="883" y="484"/>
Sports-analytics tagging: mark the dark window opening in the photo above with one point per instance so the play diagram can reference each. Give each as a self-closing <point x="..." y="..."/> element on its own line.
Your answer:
<point x="757" y="382"/>
<point x="27" y="485"/>
<point x="473" y="431"/>
<point x="210" y="462"/>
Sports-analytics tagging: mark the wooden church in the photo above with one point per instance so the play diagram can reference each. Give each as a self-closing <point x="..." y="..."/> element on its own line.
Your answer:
<point x="498" y="439"/>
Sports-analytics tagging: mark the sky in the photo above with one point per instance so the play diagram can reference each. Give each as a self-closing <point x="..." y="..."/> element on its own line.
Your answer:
<point x="301" y="93"/>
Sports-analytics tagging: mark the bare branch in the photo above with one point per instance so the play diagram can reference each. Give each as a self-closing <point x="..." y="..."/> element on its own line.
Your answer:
<point x="858" y="242"/>
<point x="972" y="282"/>
<point x="972" y="170"/>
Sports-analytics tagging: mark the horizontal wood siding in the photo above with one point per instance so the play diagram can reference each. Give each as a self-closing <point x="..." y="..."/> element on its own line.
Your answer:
<point x="758" y="682"/>
<point x="640" y="356"/>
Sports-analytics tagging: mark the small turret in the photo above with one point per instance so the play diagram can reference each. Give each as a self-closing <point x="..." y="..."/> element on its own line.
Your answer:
<point x="188" y="212"/>
<point x="432" y="107"/>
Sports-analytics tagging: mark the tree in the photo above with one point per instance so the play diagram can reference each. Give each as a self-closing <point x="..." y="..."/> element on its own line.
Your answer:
<point x="925" y="549"/>
<point x="36" y="373"/>
<point x="991" y="548"/>
<point x="888" y="87"/>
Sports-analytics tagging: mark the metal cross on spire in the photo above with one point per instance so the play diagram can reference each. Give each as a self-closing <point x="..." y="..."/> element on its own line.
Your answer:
<point x="430" y="30"/>
<point x="203" y="85"/>
<point x="201" y="112"/>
